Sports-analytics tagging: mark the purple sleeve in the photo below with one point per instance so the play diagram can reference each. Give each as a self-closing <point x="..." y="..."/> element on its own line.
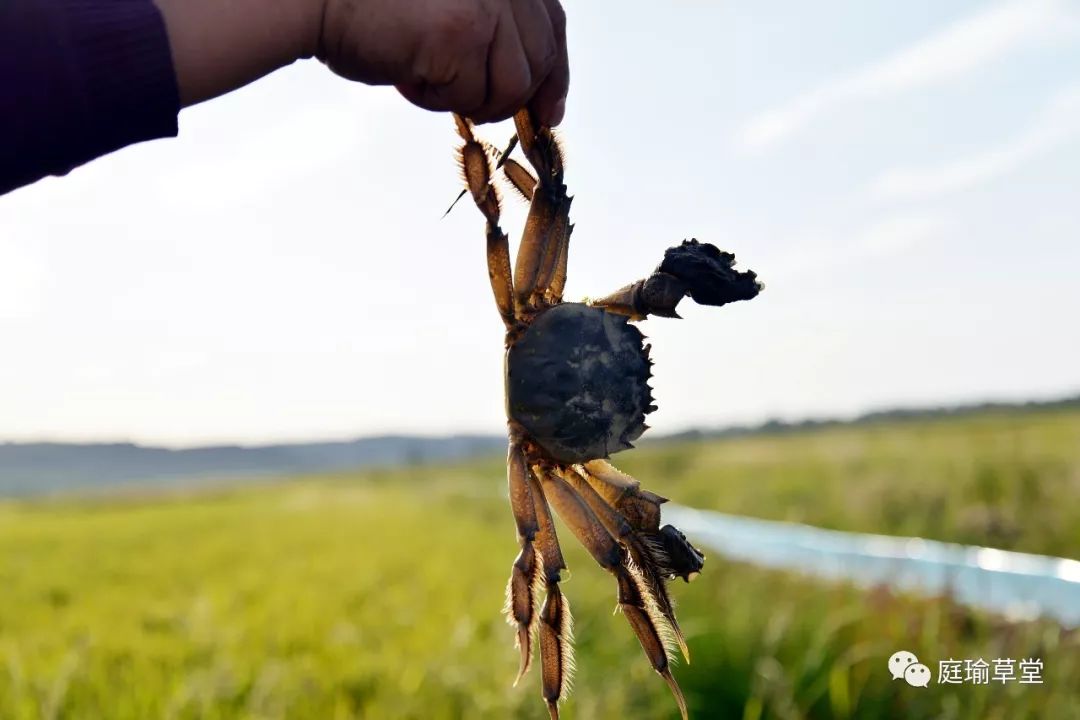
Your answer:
<point x="79" y="79"/>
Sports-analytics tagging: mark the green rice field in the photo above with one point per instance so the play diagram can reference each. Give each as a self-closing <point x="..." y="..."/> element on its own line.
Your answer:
<point x="378" y="594"/>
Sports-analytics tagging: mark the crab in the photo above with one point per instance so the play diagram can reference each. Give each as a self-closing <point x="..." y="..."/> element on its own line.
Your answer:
<point x="576" y="392"/>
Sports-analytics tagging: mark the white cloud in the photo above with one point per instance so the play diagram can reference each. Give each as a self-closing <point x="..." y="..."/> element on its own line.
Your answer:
<point x="1058" y="122"/>
<point x="959" y="49"/>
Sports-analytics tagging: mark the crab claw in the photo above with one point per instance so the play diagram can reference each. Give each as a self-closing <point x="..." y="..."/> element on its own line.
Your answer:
<point x="700" y="270"/>
<point x="683" y="559"/>
<point x="708" y="274"/>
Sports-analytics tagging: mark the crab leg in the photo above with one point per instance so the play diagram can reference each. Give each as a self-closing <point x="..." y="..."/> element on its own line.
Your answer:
<point x="555" y="257"/>
<point x="476" y="168"/>
<point x="635" y="600"/>
<point x="526" y="577"/>
<point x="610" y="482"/>
<point x="556" y="623"/>
<point x="538" y="567"/>
<point x="547" y="543"/>
<point x="551" y="278"/>
<point x="647" y="554"/>
<point x="641" y="508"/>
<point x="520" y="179"/>
<point x="538" y="232"/>
<point x="624" y="493"/>
<point x="548" y="218"/>
<point x="539" y="147"/>
<point x="557" y="282"/>
<point x="661" y="552"/>
<point x="514" y="175"/>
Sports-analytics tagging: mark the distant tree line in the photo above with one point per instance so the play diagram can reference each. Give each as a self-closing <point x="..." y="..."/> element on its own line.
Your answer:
<point x="889" y="415"/>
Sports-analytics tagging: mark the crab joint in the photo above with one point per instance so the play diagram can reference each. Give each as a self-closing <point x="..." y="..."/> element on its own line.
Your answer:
<point x="623" y="301"/>
<point x="659" y="295"/>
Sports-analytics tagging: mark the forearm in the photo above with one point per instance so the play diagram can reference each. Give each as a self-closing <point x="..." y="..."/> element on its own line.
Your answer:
<point x="79" y="79"/>
<point x="220" y="45"/>
<point x="82" y="78"/>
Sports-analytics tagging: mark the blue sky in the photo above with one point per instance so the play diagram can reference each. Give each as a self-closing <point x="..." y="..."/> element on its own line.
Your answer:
<point x="905" y="178"/>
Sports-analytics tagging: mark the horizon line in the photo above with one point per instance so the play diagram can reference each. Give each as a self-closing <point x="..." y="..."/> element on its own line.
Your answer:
<point x="899" y="410"/>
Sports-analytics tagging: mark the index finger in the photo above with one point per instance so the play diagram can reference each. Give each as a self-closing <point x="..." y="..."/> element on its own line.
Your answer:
<point x="548" y="104"/>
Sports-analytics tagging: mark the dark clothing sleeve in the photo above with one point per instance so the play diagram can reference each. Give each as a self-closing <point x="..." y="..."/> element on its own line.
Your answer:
<point x="79" y="79"/>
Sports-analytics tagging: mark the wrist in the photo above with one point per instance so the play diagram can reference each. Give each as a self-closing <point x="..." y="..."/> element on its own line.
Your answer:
<point x="220" y="46"/>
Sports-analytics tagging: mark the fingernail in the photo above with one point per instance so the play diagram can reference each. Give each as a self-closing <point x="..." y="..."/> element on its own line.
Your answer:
<point x="557" y="112"/>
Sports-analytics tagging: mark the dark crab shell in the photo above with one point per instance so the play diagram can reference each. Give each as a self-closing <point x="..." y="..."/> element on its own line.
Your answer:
<point x="577" y="381"/>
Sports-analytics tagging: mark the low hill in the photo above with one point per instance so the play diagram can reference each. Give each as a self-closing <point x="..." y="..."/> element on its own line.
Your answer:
<point x="33" y="468"/>
<point x="36" y="468"/>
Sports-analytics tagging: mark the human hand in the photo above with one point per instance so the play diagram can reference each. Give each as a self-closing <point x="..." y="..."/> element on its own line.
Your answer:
<point x="484" y="59"/>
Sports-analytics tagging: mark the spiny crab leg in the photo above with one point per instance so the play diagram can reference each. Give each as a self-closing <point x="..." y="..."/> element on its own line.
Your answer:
<point x="666" y="554"/>
<point x="540" y="271"/>
<point x="551" y="278"/>
<point x="555" y="254"/>
<point x="539" y="148"/>
<point x="520" y="179"/>
<point x="537" y="568"/>
<point x="635" y="599"/>
<point x="557" y="281"/>
<point x="699" y="270"/>
<point x="647" y="554"/>
<point x="504" y="156"/>
<point x="530" y="254"/>
<point x="548" y="218"/>
<point x="552" y="275"/>
<point x="476" y="167"/>
<point x="546" y="540"/>
<point x="526" y="576"/>
<point x="556" y="623"/>
<point x="641" y="509"/>
<point x="556" y="648"/>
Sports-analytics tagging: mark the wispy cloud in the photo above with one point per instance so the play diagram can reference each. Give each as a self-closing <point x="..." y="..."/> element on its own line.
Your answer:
<point x="1058" y="122"/>
<point x="959" y="49"/>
